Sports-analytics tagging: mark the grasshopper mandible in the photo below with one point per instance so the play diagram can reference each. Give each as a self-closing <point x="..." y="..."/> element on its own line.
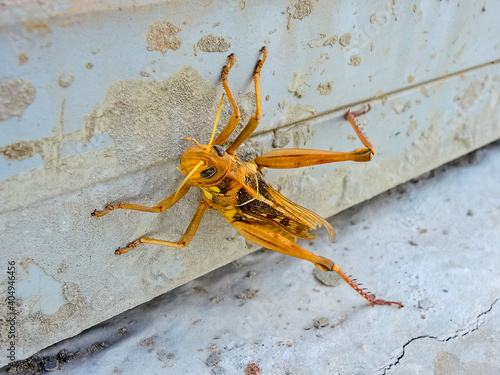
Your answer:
<point x="237" y="189"/>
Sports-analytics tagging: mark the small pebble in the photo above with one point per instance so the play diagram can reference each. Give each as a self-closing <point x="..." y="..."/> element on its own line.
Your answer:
<point x="51" y="364"/>
<point x="321" y="322"/>
<point x="213" y="359"/>
<point x="247" y="294"/>
<point x="329" y="278"/>
<point x="250" y="274"/>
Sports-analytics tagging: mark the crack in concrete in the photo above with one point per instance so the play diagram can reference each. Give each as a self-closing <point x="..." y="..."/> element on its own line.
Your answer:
<point x="460" y="333"/>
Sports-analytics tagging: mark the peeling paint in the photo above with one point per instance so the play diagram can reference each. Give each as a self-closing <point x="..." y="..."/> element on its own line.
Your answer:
<point x="281" y="139"/>
<point x="323" y="41"/>
<point x="299" y="112"/>
<point x="31" y="290"/>
<point x="401" y="107"/>
<point x="23" y="59"/>
<point x="296" y="87"/>
<point x="301" y="9"/>
<point x="162" y="36"/>
<point x="345" y="39"/>
<point x="213" y="43"/>
<point x="59" y="309"/>
<point x="471" y="94"/>
<point x="19" y="150"/>
<point x="355" y="60"/>
<point x="65" y="80"/>
<point x="49" y="148"/>
<point x="15" y="96"/>
<point x="137" y="114"/>
<point x="412" y="128"/>
<point x="325" y="88"/>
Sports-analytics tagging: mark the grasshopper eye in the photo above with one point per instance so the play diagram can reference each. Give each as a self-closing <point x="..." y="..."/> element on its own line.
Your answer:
<point x="219" y="149"/>
<point x="207" y="173"/>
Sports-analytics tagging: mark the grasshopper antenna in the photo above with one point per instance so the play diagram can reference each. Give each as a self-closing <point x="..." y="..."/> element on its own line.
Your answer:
<point x="208" y="149"/>
<point x="215" y="124"/>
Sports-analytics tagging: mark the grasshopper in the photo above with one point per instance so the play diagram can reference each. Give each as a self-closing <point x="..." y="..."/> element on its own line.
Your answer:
<point x="237" y="189"/>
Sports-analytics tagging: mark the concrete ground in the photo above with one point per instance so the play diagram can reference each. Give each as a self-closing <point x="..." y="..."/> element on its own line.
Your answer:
<point x="431" y="243"/>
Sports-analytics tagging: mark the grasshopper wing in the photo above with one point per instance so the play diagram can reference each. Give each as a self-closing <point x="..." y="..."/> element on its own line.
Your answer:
<point x="306" y="219"/>
<point x="278" y="213"/>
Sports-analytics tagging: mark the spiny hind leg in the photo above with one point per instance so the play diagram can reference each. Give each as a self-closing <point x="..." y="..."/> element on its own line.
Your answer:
<point x="351" y="117"/>
<point x="253" y="122"/>
<point x="365" y="294"/>
<point x="182" y="242"/>
<point x="269" y="239"/>
<point x="296" y="158"/>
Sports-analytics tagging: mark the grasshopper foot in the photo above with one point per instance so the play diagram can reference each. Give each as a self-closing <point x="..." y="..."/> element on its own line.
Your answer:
<point x="129" y="247"/>
<point x="361" y="112"/>
<point x="102" y="213"/>
<point x="374" y="302"/>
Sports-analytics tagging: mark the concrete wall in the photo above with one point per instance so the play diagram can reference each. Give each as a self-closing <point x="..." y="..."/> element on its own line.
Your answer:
<point x="96" y="99"/>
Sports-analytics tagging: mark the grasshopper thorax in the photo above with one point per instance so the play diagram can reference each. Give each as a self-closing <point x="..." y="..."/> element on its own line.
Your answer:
<point x="205" y="167"/>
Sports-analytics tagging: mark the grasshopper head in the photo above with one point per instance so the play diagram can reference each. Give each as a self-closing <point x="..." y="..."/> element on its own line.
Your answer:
<point x="205" y="164"/>
<point x="205" y="167"/>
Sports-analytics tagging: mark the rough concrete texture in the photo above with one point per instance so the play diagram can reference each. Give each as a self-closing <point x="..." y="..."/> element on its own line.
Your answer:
<point x="103" y="114"/>
<point x="431" y="243"/>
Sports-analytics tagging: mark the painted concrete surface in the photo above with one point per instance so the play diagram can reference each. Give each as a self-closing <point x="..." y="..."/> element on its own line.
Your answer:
<point x="96" y="99"/>
<point x="431" y="243"/>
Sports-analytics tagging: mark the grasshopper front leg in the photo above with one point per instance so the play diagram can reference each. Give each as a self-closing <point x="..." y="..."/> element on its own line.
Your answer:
<point x="253" y="122"/>
<point x="160" y="207"/>
<point x="269" y="239"/>
<point x="236" y="116"/>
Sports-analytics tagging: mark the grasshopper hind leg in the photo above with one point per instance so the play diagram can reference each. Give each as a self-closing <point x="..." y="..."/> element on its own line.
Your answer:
<point x="296" y="158"/>
<point x="362" y="291"/>
<point x="269" y="239"/>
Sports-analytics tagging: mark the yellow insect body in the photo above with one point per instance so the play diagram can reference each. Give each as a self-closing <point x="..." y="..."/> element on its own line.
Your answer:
<point x="238" y="190"/>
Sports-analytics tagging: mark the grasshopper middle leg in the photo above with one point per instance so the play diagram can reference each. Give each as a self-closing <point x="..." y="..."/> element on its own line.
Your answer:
<point x="185" y="239"/>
